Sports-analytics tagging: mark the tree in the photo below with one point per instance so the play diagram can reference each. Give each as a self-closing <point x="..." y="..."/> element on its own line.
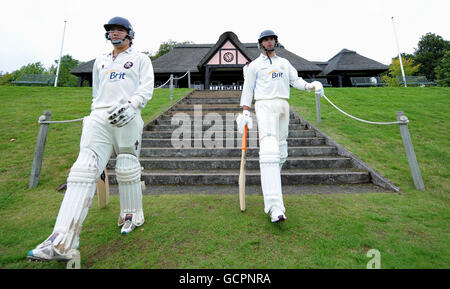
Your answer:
<point x="31" y="68"/>
<point x="65" y="78"/>
<point x="166" y="47"/>
<point x="409" y="67"/>
<point x="443" y="70"/>
<point x="431" y="49"/>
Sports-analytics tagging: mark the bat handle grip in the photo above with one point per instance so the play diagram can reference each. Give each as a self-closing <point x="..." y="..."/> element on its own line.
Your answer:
<point x="244" y="139"/>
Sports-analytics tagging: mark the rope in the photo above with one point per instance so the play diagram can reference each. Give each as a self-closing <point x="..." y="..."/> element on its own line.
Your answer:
<point x="175" y="78"/>
<point x="181" y="76"/>
<point x="42" y="117"/>
<point x="163" y="84"/>
<point x="404" y="119"/>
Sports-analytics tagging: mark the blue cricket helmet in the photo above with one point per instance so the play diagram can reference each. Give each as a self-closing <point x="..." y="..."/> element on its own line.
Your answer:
<point x="120" y="21"/>
<point x="267" y="33"/>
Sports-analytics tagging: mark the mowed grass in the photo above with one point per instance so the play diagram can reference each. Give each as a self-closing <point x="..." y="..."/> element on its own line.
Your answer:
<point x="208" y="231"/>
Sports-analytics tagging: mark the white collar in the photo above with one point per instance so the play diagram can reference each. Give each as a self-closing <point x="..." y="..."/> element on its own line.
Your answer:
<point x="264" y="57"/>
<point x="129" y="50"/>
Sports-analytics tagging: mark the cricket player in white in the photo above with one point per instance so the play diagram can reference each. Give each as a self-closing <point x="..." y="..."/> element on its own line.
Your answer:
<point x="267" y="79"/>
<point x="122" y="85"/>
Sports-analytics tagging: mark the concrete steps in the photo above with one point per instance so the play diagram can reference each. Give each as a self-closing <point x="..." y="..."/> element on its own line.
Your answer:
<point x="212" y="154"/>
<point x="233" y="163"/>
<point x="228" y="177"/>
<point x="168" y="134"/>
<point x="224" y="142"/>
<point x="166" y="127"/>
<point x="224" y="152"/>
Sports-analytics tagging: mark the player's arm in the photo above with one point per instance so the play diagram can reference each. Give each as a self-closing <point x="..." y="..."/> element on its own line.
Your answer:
<point x="301" y="84"/>
<point x="146" y="83"/>
<point x="248" y="89"/>
<point x="95" y="83"/>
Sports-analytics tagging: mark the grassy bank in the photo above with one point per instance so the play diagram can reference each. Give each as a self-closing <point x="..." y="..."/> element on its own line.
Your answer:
<point x="208" y="231"/>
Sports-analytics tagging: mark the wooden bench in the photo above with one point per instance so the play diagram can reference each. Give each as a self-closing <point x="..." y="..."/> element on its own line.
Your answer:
<point x="415" y="80"/>
<point x="366" y="81"/>
<point x="35" y="79"/>
<point x="324" y="81"/>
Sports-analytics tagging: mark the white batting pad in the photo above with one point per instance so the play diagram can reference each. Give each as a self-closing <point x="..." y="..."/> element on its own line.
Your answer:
<point x="128" y="172"/>
<point x="283" y="152"/>
<point x="77" y="201"/>
<point x="271" y="186"/>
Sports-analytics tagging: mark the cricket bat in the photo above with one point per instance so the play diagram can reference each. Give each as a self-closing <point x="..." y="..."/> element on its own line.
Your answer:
<point x="242" y="172"/>
<point x="103" y="190"/>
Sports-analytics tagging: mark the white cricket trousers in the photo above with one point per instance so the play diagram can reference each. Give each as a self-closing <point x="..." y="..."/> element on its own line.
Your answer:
<point x="273" y="127"/>
<point x="98" y="140"/>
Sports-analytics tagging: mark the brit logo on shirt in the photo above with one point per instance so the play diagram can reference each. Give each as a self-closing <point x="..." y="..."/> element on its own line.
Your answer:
<point x="115" y="75"/>
<point x="276" y="74"/>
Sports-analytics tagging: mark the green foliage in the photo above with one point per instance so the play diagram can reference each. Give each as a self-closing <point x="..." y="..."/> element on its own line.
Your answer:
<point x="7" y="78"/>
<point x="409" y="68"/>
<point x="443" y="70"/>
<point x="32" y="68"/>
<point x="65" y="78"/>
<point x="431" y="49"/>
<point x="166" y="47"/>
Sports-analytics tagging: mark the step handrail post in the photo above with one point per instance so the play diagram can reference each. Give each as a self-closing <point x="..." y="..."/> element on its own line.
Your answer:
<point x="409" y="149"/>
<point x="39" y="151"/>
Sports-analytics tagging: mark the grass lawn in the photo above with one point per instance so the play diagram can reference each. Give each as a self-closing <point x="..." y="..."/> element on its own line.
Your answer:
<point x="409" y="229"/>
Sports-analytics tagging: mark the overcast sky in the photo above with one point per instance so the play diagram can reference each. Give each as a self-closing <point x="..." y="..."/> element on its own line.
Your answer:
<point x="32" y="30"/>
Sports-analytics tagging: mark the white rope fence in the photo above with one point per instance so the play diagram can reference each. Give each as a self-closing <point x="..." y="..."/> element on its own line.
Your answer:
<point x="161" y="86"/>
<point x="402" y="121"/>
<point x="182" y="76"/>
<point x="42" y="120"/>
<point x="170" y="81"/>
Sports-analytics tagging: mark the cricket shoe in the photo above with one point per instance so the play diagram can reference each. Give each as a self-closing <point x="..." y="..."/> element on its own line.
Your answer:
<point x="277" y="215"/>
<point x="128" y="225"/>
<point x="47" y="252"/>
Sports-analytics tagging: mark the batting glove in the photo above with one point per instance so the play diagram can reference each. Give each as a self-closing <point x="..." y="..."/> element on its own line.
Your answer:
<point x="120" y="115"/>
<point x="244" y="119"/>
<point x="318" y="87"/>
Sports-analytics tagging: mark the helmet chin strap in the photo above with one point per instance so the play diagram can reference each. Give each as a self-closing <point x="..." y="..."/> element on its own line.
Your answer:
<point x="267" y="52"/>
<point x="118" y="42"/>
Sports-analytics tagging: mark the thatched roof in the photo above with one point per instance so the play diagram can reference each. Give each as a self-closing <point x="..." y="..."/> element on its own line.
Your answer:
<point x="181" y="58"/>
<point x="84" y="68"/>
<point x="193" y="56"/>
<point x="347" y="60"/>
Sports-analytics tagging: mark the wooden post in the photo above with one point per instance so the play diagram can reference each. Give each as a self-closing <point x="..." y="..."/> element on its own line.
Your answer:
<point x="410" y="154"/>
<point x="171" y="87"/>
<point x="39" y="151"/>
<point x="319" y="119"/>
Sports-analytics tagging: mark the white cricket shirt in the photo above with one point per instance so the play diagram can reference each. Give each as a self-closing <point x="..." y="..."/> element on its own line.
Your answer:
<point x="129" y="77"/>
<point x="270" y="81"/>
